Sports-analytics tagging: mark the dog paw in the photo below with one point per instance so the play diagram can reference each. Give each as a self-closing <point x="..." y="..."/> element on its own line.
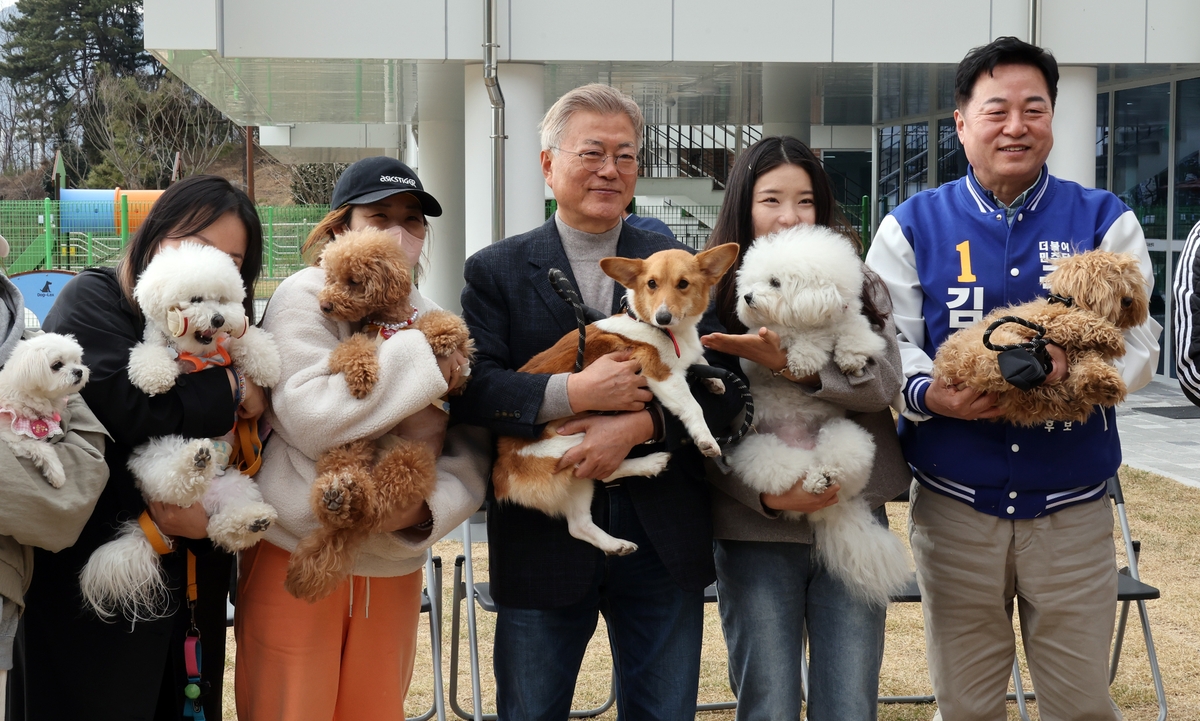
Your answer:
<point x="338" y="500"/>
<point x="620" y="548"/>
<point x="851" y="363"/>
<point x="56" y="477"/>
<point x="201" y="458"/>
<point x="259" y="525"/>
<point x="819" y="480"/>
<point x="714" y="386"/>
<point x="709" y="447"/>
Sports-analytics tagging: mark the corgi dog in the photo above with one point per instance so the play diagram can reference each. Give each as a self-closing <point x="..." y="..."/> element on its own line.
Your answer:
<point x="666" y="296"/>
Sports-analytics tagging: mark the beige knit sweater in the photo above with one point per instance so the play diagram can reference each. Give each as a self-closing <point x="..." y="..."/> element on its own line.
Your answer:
<point x="312" y="410"/>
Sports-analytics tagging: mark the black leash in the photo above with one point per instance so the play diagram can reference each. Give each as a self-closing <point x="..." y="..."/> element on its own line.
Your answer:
<point x="566" y="291"/>
<point x="703" y="370"/>
<point x="1024" y="365"/>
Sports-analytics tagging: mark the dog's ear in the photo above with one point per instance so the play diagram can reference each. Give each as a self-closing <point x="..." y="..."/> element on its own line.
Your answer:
<point x="623" y="270"/>
<point x="714" y="262"/>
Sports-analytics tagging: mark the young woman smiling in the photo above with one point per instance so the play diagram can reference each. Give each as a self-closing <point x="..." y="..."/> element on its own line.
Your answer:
<point x="770" y="583"/>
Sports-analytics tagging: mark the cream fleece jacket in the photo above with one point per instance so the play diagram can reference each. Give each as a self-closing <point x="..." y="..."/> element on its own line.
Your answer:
<point x="311" y="411"/>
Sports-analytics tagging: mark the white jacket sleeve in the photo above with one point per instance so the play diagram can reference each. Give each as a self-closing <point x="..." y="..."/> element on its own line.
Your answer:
<point x="891" y="257"/>
<point x="1141" y="343"/>
<point x="313" y="408"/>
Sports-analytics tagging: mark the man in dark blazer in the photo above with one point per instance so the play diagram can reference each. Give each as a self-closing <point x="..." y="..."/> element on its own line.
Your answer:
<point x="548" y="585"/>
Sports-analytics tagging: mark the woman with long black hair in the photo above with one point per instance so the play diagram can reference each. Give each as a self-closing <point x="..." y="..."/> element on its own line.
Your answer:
<point x="771" y="585"/>
<point x="79" y="665"/>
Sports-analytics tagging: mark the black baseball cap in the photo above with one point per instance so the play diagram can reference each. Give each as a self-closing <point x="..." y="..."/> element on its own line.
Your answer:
<point x="373" y="179"/>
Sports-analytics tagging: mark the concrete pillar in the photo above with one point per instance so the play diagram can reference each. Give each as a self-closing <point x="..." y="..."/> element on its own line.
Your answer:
<point x="524" y="186"/>
<point x="787" y="100"/>
<point x="440" y="130"/>
<point x="1074" y="154"/>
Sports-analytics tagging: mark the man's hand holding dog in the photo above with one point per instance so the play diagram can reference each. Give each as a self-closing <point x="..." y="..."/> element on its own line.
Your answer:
<point x="613" y="382"/>
<point x="607" y="440"/>
<point x="945" y="399"/>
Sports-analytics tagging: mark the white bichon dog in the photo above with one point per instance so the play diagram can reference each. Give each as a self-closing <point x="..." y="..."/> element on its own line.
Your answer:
<point x="191" y="297"/>
<point x="805" y="283"/>
<point x="34" y="385"/>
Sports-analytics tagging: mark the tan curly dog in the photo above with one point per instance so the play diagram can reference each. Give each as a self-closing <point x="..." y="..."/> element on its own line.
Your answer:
<point x="1108" y="295"/>
<point x="362" y="483"/>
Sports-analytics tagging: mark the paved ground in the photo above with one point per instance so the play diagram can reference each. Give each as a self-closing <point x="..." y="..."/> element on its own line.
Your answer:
<point x="1167" y="446"/>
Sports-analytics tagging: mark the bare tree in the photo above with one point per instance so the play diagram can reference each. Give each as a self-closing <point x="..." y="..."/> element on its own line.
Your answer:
<point x="138" y="124"/>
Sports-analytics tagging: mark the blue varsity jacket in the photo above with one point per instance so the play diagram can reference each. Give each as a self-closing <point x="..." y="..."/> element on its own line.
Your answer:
<point x="949" y="256"/>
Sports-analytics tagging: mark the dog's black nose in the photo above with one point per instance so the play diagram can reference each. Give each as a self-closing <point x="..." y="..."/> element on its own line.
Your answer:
<point x="77" y="374"/>
<point x="749" y="298"/>
<point x="662" y="317"/>
<point x="218" y="320"/>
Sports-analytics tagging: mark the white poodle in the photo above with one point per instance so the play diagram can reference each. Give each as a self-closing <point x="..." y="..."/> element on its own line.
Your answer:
<point x="805" y="284"/>
<point x="191" y="297"/>
<point x="34" y="385"/>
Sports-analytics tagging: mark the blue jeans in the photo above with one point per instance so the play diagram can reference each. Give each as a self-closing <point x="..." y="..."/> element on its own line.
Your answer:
<point x="767" y="592"/>
<point x="654" y="630"/>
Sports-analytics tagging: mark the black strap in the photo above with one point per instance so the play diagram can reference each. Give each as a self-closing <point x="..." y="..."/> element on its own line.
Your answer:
<point x="1036" y="343"/>
<point x="562" y="286"/>
<point x="701" y="370"/>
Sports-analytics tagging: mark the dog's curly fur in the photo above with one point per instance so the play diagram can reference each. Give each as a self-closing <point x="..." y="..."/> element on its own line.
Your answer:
<point x="1110" y="296"/>
<point x="360" y="484"/>
<point x="805" y="284"/>
<point x="191" y="297"/>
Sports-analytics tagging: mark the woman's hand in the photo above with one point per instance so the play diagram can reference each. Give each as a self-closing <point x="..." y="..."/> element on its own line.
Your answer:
<point x="172" y="520"/>
<point x="254" y="404"/>
<point x="407" y="517"/>
<point x="427" y="426"/>
<point x="762" y="348"/>
<point x="799" y="500"/>
<point x="453" y="368"/>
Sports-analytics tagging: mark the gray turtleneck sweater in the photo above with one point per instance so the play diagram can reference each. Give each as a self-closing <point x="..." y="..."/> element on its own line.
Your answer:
<point x="584" y="251"/>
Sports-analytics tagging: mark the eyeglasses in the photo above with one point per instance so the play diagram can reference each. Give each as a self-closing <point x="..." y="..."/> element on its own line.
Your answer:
<point x="593" y="161"/>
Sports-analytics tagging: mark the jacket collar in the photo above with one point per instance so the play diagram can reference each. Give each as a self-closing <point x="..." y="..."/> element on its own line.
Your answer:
<point x="981" y="197"/>
<point x="546" y="252"/>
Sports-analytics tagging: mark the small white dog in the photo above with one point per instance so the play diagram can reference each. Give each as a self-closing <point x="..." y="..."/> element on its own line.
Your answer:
<point x="34" y="385"/>
<point x="191" y="297"/>
<point x="805" y="283"/>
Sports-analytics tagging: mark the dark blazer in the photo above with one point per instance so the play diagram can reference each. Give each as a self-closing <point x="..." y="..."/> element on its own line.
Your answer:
<point x="514" y="314"/>
<point x="130" y="667"/>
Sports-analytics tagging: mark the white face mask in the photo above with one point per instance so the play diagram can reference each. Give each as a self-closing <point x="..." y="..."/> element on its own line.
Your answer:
<point x="409" y="243"/>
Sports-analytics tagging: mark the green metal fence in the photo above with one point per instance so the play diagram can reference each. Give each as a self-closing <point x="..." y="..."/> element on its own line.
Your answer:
<point x="71" y="235"/>
<point x="46" y="234"/>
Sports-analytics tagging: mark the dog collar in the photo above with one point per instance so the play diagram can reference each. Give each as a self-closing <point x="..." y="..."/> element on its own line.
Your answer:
<point x="218" y="356"/>
<point x="1064" y="299"/>
<point x="387" y="330"/>
<point x="36" y="428"/>
<point x="629" y="312"/>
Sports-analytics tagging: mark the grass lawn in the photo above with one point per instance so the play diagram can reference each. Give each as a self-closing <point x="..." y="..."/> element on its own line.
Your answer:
<point x="1163" y="514"/>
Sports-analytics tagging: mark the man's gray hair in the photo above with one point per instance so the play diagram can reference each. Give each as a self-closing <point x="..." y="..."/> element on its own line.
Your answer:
<point x="596" y="98"/>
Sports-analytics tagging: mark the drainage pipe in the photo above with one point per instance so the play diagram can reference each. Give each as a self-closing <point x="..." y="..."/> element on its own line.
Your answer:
<point x="1033" y="22"/>
<point x="492" y="82"/>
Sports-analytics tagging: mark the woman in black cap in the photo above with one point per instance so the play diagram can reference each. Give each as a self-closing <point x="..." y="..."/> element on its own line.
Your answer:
<point x="349" y="655"/>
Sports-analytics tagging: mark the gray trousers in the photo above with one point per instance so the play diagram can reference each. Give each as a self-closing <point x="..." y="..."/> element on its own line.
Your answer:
<point x="1060" y="568"/>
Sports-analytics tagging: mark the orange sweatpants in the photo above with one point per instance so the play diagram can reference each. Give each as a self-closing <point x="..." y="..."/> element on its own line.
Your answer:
<point x="347" y="656"/>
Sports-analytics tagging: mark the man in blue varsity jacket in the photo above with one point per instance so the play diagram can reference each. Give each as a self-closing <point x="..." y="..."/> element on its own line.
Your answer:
<point x="1000" y="511"/>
